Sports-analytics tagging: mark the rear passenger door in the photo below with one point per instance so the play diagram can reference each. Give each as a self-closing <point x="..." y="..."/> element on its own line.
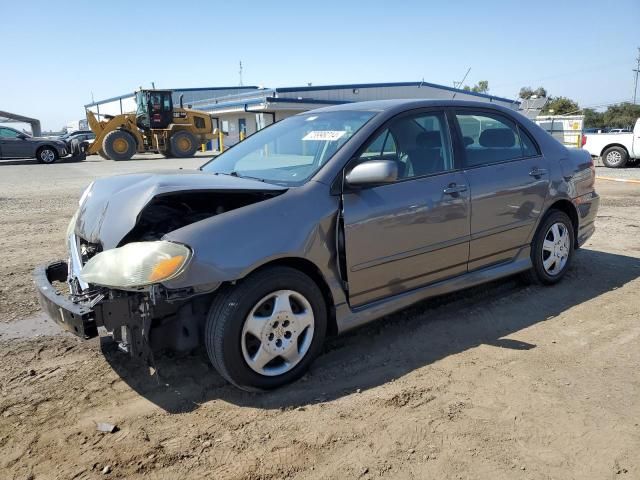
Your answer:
<point x="11" y="146"/>
<point x="508" y="181"/>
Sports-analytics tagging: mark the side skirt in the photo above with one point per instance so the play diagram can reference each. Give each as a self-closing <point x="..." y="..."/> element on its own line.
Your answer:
<point x="348" y="318"/>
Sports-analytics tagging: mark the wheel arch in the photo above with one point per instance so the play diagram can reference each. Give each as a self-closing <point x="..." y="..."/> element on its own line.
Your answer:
<point x="312" y="271"/>
<point x="619" y="145"/>
<point x="569" y="208"/>
<point x="47" y="145"/>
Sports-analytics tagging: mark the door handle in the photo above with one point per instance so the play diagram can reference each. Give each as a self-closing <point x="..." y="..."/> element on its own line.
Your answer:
<point x="452" y="189"/>
<point x="538" y="172"/>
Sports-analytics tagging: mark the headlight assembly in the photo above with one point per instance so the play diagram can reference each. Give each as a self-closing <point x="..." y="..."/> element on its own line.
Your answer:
<point x="136" y="264"/>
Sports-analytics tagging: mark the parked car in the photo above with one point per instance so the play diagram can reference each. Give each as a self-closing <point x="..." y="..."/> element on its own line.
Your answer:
<point x="79" y="135"/>
<point x="16" y="144"/>
<point x="318" y="224"/>
<point x="615" y="149"/>
<point x="78" y="145"/>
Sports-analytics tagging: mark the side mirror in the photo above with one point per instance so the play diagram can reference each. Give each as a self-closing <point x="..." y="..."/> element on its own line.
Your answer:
<point x="22" y="136"/>
<point x="373" y="172"/>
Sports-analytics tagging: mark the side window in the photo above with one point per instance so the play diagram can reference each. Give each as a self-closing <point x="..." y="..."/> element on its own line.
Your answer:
<point x="489" y="138"/>
<point x="419" y="143"/>
<point x="8" y="133"/>
<point x="529" y="148"/>
<point x="383" y="147"/>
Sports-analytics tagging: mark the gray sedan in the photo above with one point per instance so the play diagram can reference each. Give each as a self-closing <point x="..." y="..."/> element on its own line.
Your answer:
<point x="15" y="144"/>
<point x="318" y="224"/>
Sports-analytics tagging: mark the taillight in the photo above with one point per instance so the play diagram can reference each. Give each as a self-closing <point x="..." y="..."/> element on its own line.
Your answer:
<point x="584" y="140"/>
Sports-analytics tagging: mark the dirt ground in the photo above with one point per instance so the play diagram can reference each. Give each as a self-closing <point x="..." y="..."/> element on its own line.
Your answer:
<point x="500" y="382"/>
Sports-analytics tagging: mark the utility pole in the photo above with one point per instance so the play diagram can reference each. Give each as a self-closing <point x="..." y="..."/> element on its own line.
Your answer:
<point x="240" y="72"/>
<point x="458" y="85"/>
<point x="635" y="84"/>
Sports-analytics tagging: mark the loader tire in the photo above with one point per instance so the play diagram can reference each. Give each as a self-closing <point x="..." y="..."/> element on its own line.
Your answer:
<point x="119" y="145"/>
<point x="167" y="153"/>
<point x="103" y="155"/>
<point x="183" y="144"/>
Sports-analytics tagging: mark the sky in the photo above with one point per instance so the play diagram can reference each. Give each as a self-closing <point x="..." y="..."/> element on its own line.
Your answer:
<point x="55" y="55"/>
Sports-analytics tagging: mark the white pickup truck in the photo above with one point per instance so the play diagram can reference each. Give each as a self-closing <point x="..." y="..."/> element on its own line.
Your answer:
<point x="616" y="149"/>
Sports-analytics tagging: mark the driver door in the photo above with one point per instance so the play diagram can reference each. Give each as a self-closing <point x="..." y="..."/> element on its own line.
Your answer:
<point x="415" y="231"/>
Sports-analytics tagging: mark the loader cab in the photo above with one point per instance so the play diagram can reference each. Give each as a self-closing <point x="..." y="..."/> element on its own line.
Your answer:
<point x="154" y="109"/>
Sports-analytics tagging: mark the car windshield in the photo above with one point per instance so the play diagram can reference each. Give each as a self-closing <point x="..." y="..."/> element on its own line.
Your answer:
<point x="292" y="150"/>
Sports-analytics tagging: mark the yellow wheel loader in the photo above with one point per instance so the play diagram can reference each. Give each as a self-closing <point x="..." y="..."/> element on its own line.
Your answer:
<point x="156" y="126"/>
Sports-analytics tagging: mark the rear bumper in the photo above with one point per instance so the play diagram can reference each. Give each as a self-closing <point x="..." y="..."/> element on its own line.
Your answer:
<point x="76" y="317"/>
<point x="587" y="206"/>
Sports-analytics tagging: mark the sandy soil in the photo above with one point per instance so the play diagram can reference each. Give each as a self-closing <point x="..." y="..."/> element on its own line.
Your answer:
<point x="501" y="381"/>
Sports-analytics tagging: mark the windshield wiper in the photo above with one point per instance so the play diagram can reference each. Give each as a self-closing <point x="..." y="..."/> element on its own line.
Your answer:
<point x="236" y="174"/>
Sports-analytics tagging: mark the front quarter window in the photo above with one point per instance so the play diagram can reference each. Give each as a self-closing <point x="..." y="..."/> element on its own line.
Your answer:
<point x="292" y="150"/>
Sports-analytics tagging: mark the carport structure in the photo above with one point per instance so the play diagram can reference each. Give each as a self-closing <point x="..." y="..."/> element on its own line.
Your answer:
<point x="7" y="117"/>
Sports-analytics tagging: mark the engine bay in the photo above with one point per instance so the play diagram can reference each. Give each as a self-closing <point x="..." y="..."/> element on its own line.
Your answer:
<point x="169" y="212"/>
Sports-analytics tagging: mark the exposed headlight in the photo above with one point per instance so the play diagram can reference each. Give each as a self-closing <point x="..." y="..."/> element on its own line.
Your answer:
<point x="85" y="194"/>
<point x="136" y="264"/>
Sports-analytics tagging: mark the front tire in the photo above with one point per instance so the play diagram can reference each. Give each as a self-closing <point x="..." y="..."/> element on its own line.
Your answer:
<point x="103" y="155"/>
<point x="615" y="157"/>
<point x="552" y="249"/>
<point x="265" y="331"/>
<point x="47" y="155"/>
<point x="119" y="145"/>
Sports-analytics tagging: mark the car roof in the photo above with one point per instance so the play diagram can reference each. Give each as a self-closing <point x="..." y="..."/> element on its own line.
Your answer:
<point x="408" y="104"/>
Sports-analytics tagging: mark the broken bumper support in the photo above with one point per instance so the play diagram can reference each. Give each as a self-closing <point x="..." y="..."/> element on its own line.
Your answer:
<point x="127" y="316"/>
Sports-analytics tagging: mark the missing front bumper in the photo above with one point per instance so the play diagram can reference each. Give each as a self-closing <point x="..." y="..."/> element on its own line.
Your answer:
<point x="128" y="317"/>
<point x="77" y="318"/>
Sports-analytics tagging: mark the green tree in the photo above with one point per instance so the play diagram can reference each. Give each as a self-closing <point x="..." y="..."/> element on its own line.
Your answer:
<point x="621" y="115"/>
<point x="481" y="87"/>
<point x="560" y="106"/>
<point x="593" y="119"/>
<point x="526" y="93"/>
<point x="540" y="92"/>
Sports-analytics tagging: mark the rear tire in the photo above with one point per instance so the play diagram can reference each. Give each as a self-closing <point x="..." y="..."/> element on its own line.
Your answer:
<point x="265" y="331"/>
<point x="103" y="155"/>
<point x="47" y="155"/>
<point x="183" y="144"/>
<point x="119" y="145"/>
<point x="167" y="153"/>
<point x="551" y="250"/>
<point x="615" y="157"/>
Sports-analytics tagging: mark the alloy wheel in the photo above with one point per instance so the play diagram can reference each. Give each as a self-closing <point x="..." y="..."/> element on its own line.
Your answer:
<point x="614" y="157"/>
<point x="277" y="333"/>
<point x="556" y="248"/>
<point x="47" y="156"/>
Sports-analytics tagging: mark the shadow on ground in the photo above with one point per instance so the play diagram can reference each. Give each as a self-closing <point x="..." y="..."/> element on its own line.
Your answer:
<point x="33" y="161"/>
<point x="394" y="345"/>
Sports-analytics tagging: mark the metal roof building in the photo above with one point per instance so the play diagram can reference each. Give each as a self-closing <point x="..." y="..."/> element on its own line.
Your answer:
<point x="253" y="110"/>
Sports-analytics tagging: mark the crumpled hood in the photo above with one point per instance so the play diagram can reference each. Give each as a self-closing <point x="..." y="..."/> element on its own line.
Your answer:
<point x="112" y="207"/>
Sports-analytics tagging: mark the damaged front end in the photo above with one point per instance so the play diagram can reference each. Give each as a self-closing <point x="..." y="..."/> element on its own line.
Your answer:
<point x="119" y="266"/>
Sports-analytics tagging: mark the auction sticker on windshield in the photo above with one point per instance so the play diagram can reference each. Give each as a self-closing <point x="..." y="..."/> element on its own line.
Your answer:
<point x="324" y="135"/>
